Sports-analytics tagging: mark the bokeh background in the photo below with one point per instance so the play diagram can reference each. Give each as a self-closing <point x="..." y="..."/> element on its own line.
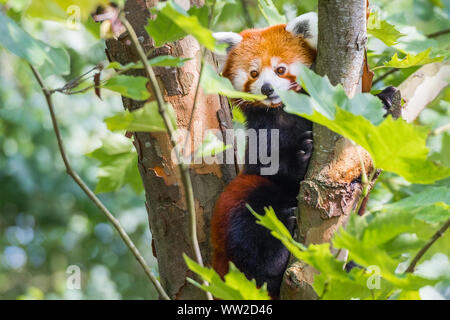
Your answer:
<point x="46" y="222"/>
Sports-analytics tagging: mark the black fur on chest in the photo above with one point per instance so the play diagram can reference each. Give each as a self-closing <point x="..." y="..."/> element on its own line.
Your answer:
<point x="293" y="133"/>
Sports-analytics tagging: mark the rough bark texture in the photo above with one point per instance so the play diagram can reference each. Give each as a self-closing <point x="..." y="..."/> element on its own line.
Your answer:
<point x="168" y="217"/>
<point x="329" y="192"/>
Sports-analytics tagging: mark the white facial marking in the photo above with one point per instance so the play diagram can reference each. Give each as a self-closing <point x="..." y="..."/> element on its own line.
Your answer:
<point x="239" y="79"/>
<point x="274" y="62"/>
<point x="254" y="65"/>
<point x="269" y="76"/>
<point x="294" y="68"/>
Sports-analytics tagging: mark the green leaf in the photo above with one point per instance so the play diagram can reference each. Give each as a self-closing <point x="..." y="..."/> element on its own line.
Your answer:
<point x="129" y="86"/>
<point x="62" y="10"/>
<point x="168" y="61"/>
<point x="118" y="165"/>
<point x="270" y="12"/>
<point x="177" y="23"/>
<point x="326" y="99"/>
<point x="387" y="225"/>
<point x="429" y="196"/>
<point x="163" y="30"/>
<point x="382" y="30"/>
<point x="235" y="285"/>
<point x="438" y="212"/>
<point x="211" y="146"/>
<point x="132" y="65"/>
<point x="334" y="282"/>
<point x="159" y="61"/>
<point x="394" y="145"/>
<point x="411" y="60"/>
<point x="212" y="83"/>
<point x="443" y="157"/>
<point x="318" y="256"/>
<point x="238" y="115"/>
<point x="402" y="244"/>
<point x="145" y="119"/>
<point x="278" y="229"/>
<point x="367" y="254"/>
<point x="48" y="60"/>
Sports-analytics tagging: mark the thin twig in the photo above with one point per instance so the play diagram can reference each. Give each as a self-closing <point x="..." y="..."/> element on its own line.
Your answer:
<point x="384" y="75"/>
<point x="91" y="194"/>
<point x="441" y="129"/>
<point x="194" y="107"/>
<point x="197" y="88"/>
<point x="184" y="169"/>
<point x="365" y="181"/>
<point x="427" y="246"/>
<point x="75" y="82"/>
<point x="438" y="33"/>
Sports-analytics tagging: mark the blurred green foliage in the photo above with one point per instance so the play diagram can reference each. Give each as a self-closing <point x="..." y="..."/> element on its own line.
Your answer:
<point x="47" y="224"/>
<point x="46" y="221"/>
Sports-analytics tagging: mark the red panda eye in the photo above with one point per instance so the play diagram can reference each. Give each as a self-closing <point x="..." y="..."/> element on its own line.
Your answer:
<point x="254" y="73"/>
<point x="281" y="70"/>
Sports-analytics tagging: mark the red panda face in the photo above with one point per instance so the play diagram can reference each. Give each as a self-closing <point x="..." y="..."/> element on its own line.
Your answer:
<point x="261" y="61"/>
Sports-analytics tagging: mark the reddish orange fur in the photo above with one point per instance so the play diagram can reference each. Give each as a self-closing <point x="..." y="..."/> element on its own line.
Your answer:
<point x="233" y="196"/>
<point x="265" y="44"/>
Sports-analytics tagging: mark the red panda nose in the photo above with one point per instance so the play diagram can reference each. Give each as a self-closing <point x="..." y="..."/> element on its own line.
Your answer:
<point x="267" y="89"/>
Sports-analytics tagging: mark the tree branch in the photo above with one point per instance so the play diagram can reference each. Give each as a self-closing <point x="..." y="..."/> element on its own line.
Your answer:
<point x="422" y="87"/>
<point x="438" y="33"/>
<point x="330" y="191"/>
<point x="184" y="169"/>
<point x="427" y="246"/>
<point x="385" y="75"/>
<point x="48" y="96"/>
<point x="418" y="91"/>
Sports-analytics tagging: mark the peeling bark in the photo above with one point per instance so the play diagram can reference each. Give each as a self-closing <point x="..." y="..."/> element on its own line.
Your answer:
<point x="165" y="202"/>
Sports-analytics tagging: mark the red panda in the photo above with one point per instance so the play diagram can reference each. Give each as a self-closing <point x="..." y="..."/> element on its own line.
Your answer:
<point x="262" y="61"/>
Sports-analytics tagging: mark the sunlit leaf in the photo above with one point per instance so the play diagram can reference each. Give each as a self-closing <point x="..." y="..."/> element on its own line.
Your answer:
<point x="129" y="86"/>
<point x="118" y="165"/>
<point x="270" y="12"/>
<point x="411" y="60"/>
<point x="235" y="285"/>
<point x="212" y="83"/>
<point x="238" y="115"/>
<point x="168" y="61"/>
<point x="318" y="256"/>
<point x="173" y="23"/>
<point x="145" y="119"/>
<point x="366" y="254"/>
<point x="159" y="61"/>
<point x="395" y="145"/>
<point x="163" y="30"/>
<point x="63" y="10"/>
<point x="383" y="30"/>
<point x="211" y="146"/>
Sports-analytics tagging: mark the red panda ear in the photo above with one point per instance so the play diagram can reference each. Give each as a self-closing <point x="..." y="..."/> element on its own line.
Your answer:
<point x="232" y="39"/>
<point x="306" y="26"/>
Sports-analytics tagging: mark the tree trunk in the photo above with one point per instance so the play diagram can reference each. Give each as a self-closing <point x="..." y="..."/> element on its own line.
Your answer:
<point x="165" y="201"/>
<point x="329" y="192"/>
